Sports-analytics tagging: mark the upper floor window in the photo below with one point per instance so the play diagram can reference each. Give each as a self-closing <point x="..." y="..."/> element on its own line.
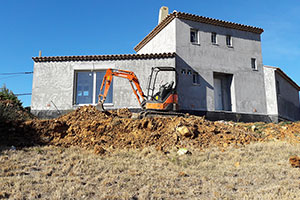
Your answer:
<point x="253" y="64"/>
<point x="214" y="38"/>
<point x="87" y="87"/>
<point x="196" y="78"/>
<point x="229" y="40"/>
<point x="194" y="36"/>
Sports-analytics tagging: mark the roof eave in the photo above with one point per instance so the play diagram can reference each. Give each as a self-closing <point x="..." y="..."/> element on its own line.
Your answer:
<point x="103" y="57"/>
<point x="285" y="76"/>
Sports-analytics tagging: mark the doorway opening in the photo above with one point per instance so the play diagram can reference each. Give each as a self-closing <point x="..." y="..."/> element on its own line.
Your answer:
<point x="222" y="91"/>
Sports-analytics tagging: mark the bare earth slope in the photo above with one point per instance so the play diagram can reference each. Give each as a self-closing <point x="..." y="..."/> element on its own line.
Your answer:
<point x="86" y="127"/>
<point x="138" y="158"/>
<point x="255" y="171"/>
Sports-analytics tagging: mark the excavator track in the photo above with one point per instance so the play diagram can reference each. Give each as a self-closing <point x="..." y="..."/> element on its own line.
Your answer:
<point x="154" y="113"/>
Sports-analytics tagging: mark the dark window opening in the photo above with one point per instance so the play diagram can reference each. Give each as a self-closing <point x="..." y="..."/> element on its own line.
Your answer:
<point x="87" y="90"/>
<point x="194" y="36"/>
<point x="196" y="78"/>
<point x="253" y="64"/>
<point x="214" y="38"/>
<point x="228" y="40"/>
<point x="84" y="87"/>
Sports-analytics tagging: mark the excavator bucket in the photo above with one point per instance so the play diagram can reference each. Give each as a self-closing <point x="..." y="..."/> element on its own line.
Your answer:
<point x="100" y="107"/>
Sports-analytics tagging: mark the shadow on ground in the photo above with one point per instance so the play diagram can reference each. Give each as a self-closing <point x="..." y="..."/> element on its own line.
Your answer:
<point x="17" y="134"/>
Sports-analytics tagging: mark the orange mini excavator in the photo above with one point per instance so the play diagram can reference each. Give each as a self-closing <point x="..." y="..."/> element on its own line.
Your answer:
<point x="163" y="101"/>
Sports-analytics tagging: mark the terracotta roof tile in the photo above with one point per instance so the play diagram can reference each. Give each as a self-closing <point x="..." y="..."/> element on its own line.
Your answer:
<point x="103" y="57"/>
<point x="196" y="18"/>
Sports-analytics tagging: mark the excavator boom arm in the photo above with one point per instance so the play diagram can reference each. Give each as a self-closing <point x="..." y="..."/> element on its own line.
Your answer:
<point x="107" y="79"/>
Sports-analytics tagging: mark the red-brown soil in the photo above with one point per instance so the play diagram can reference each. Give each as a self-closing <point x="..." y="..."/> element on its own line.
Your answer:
<point x="88" y="128"/>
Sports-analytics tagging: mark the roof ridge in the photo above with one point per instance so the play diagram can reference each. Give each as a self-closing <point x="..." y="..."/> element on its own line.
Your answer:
<point x="218" y="20"/>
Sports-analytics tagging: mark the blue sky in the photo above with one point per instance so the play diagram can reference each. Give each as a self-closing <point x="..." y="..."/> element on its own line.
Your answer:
<point x="90" y="27"/>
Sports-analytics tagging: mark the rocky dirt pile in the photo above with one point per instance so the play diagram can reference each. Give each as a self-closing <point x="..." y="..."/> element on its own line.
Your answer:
<point x="88" y="128"/>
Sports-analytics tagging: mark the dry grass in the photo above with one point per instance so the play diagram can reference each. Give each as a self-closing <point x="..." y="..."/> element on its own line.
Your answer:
<point x="257" y="171"/>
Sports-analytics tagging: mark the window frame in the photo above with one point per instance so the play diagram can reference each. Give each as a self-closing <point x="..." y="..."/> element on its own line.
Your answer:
<point x="213" y="38"/>
<point x="230" y="41"/>
<point x="94" y="89"/>
<point x="254" y="61"/>
<point x="196" y="31"/>
<point x="196" y="79"/>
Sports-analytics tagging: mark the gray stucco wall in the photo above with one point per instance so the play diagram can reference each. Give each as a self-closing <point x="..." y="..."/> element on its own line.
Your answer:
<point x="53" y="82"/>
<point x="163" y="42"/>
<point x="247" y="90"/>
<point x="288" y="99"/>
<point x="271" y="95"/>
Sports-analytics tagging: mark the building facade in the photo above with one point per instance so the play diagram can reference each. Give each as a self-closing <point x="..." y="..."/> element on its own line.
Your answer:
<point x="219" y="66"/>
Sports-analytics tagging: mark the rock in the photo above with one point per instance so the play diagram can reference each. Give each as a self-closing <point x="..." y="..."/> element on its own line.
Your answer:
<point x="183" y="174"/>
<point x="237" y="164"/>
<point x="99" y="150"/>
<point x="295" y="161"/>
<point x="253" y="128"/>
<point x="135" y="116"/>
<point x="184" y="131"/>
<point x="183" y="151"/>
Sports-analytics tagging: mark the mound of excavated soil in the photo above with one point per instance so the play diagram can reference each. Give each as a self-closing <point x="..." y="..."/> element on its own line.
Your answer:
<point x="86" y="127"/>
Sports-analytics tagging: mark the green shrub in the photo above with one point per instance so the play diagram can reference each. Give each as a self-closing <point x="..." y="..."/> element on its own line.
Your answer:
<point x="11" y="107"/>
<point x="6" y="94"/>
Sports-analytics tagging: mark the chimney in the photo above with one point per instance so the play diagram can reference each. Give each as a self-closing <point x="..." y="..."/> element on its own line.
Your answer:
<point x="163" y="12"/>
<point x="40" y="53"/>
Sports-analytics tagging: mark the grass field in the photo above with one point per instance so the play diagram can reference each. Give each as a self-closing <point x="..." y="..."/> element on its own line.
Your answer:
<point x="256" y="171"/>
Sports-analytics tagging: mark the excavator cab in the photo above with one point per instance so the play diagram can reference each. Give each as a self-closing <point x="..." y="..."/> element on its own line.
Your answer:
<point x="164" y="91"/>
<point x="162" y="96"/>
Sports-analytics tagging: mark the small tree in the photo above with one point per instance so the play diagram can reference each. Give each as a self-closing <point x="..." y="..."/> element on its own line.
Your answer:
<point x="6" y="94"/>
